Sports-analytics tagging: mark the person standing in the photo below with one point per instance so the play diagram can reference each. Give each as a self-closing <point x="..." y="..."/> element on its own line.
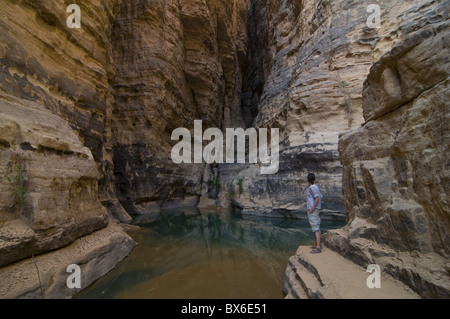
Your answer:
<point x="314" y="205"/>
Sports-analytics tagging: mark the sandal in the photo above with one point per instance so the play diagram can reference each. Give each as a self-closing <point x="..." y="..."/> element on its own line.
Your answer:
<point x="316" y="251"/>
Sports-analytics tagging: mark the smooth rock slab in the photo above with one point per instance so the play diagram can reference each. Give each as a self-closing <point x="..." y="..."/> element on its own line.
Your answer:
<point x="328" y="275"/>
<point x="96" y="254"/>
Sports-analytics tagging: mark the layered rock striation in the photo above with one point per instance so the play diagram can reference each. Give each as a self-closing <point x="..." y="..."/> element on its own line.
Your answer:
<point x="88" y="115"/>
<point x="307" y="62"/>
<point x="176" y="62"/>
<point x="56" y="102"/>
<point x="68" y="71"/>
<point x="60" y="178"/>
<point x="395" y="172"/>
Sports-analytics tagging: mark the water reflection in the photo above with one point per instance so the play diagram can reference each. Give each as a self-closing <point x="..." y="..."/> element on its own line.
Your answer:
<point x="188" y="254"/>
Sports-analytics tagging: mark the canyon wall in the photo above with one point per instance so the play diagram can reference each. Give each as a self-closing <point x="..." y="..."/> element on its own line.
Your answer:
<point x="56" y="103"/>
<point x="394" y="174"/>
<point x="395" y="167"/>
<point x="87" y="114"/>
<point x="176" y="61"/>
<point x="307" y="61"/>
<point x="69" y="71"/>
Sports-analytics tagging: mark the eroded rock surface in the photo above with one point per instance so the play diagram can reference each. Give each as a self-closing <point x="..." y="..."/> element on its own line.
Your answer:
<point x="176" y="62"/>
<point x="62" y="205"/>
<point x="56" y="103"/>
<point x="68" y="71"/>
<point x="61" y="179"/>
<point x="45" y="276"/>
<point x="89" y="114"/>
<point x="330" y="276"/>
<point x="307" y="62"/>
<point x="395" y="167"/>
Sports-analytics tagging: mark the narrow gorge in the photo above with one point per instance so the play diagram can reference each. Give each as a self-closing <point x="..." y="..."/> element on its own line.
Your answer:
<point x="87" y="115"/>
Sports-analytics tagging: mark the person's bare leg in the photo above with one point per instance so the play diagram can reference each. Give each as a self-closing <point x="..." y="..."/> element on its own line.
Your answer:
<point x="318" y="234"/>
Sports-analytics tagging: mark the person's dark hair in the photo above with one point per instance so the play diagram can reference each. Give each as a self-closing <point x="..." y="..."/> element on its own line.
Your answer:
<point x="311" y="178"/>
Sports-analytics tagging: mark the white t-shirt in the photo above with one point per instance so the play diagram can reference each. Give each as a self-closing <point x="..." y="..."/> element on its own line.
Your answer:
<point x="312" y="193"/>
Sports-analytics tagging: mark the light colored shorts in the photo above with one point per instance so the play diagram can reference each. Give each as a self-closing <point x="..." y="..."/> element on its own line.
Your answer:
<point x="314" y="220"/>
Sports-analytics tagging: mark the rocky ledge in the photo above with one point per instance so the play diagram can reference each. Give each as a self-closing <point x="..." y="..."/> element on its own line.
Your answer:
<point x="45" y="276"/>
<point x="395" y="168"/>
<point x="330" y="276"/>
<point x="61" y="221"/>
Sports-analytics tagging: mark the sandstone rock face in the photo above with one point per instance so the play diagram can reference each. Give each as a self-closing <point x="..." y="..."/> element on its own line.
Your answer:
<point x="307" y="62"/>
<point x="61" y="179"/>
<point x="132" y="73"/>
<point x="395" y="167"/>
<point x="317" y="55"/>
<point x="55" y="120"/>
<point x="284" y="194"/>
<point x="89" y="114"/>
<point x="330" y="276"/>
<point x="62" y="206"/>
<point x="45" y="276"/>
<point x="69" y="71"/>
<point x="176" y="62"/>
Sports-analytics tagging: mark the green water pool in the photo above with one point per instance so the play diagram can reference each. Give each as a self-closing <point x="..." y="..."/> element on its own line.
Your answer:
<point x="193" y="254"/>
